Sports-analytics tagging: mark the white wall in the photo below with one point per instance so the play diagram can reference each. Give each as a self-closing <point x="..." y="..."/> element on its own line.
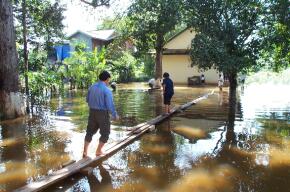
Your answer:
<point x="179" y="69"/>
<point x="182" y="41"/>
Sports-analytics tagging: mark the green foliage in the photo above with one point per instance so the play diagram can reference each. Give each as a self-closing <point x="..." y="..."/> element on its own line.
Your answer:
<point x="276" y="33"/>
<point x="41" y="83"/>
<point x="150" y="20"/>
<point x="266" y="76"/>
<point x="121" y="57"/>
<point x="43" y="26"/>
<point x="226" y="34"/>
<point x="148" y="62"/>
<point x="44" y="22"/>
<point x="80" y="47"/>
<point x="126" y="68"/>
<point x="37" y="60"/>
<point x="83" y="67"/>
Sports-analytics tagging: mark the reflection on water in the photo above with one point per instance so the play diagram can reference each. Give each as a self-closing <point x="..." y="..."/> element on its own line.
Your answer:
<point x="221" y="178"/>
<point x="196" y="150"/>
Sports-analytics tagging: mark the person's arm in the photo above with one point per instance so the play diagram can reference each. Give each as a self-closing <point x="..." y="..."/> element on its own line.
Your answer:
<point x="87" y="98"/>
<point x="163" y="86"/>
<point x="110" y="104"/>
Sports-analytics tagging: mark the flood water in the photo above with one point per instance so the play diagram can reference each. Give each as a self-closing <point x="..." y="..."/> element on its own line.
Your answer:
<point x="195" y="150"/>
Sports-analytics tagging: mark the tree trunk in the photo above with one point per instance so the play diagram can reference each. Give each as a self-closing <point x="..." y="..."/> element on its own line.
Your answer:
<point x="158" y="58"/>
<point x="11" y="101"/>
<point x="233" y="88"/>
<point x="25" y="53"/>
<point x="230" y="135"/>
<point x="158" y="64"/>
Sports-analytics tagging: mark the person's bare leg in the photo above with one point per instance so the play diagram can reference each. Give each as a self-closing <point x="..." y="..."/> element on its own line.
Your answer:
<point x="99" y="149"/>
<point x="86" y="146"/>
<point x="167" y="109"/>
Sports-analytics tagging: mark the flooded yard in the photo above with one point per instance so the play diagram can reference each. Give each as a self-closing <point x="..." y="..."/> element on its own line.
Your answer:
<point x="198" y="149"/>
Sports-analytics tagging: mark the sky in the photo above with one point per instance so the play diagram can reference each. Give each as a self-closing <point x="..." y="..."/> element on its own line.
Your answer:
<point x="79" y="16"/>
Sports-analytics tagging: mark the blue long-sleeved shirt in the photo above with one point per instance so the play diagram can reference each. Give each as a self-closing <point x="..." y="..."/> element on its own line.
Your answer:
<point x="101" y="97"/>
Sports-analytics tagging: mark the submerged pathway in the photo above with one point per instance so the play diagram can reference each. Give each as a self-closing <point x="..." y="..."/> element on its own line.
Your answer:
<point x="110" y="149"/>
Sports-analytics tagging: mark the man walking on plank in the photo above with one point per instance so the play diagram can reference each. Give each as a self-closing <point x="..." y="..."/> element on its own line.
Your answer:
<point x="100" y="102"/>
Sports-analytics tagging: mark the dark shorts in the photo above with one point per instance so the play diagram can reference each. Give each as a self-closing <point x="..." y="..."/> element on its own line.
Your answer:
<point x="167" y="99"/>
<point x="98" y="119"/>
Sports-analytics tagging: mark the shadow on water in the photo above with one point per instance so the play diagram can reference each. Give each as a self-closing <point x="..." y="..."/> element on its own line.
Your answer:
<point x="212" y="146"/>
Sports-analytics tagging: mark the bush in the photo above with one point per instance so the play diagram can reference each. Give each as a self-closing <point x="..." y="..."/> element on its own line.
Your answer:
<point x="83" y="67"/>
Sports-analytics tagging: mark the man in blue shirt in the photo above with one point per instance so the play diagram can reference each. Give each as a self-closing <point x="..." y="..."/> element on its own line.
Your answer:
<point x="100" y="102"/>
<point x="168" y="91"/>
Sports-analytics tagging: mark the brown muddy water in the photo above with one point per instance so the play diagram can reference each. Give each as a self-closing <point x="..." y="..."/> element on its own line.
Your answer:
<point x="196" y="150"/>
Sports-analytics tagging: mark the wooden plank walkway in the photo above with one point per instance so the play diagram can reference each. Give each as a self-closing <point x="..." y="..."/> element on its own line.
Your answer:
<point x="109" y="150"/>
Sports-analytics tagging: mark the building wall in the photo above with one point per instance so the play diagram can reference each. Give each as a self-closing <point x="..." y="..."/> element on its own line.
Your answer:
<point x="179" y="69"/>
<point x="182" y="41"/>
<point x="97" y="44"/>
<point x="79" y="37"/>
<point x="179" y="66"/>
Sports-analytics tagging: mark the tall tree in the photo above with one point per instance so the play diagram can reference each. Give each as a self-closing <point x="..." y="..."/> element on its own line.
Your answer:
<point x="43" y="20"/>
<point x="151" y="20"/>
<point x="25" y="52"/>
<point x="40" y="24"/>
<point x="11" y="104"/>
<point x="227" y="36"/>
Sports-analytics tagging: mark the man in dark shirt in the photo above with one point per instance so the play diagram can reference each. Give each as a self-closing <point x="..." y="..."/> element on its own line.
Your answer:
<point x="168" y="91"/>
<point x="100" y="102"/>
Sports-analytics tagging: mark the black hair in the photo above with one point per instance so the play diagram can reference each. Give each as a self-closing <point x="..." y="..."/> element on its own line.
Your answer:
<point x="104" y="76"/>
<point x="165" y="75"/>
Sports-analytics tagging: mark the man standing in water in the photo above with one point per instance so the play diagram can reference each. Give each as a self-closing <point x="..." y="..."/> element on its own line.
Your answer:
<point x="100" y="102"/>
<point x="168" y="91"/>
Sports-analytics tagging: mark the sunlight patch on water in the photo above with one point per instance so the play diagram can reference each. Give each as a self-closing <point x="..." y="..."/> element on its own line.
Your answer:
<point x="274" y="157"/>
<point x="202" y="180"/>
<point x="53" y="160"/>
<point x="149" y="174"/>
<point x="11" y="141"/>
<point x="279" y="157"/>
<point x="16" y="171"/>
<point x="190" y="133"/>
<point x="153" y="138"/>
<point x="155" y="149"/>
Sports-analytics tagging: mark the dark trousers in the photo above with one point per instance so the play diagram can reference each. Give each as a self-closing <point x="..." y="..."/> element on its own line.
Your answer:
<point x="98" y="119"/>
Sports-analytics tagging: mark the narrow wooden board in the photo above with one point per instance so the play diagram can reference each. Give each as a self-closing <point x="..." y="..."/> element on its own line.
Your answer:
<point x="136" y="132"/>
